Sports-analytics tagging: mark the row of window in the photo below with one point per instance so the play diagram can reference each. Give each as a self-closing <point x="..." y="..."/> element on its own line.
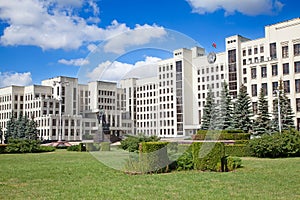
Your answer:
<point x="210" y="78"/>
<point x="285" y="69"/>
<point x="211" y="70"/>
<point x="165" y="68"/>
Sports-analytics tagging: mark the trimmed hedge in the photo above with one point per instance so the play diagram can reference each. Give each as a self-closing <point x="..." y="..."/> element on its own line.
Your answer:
<point x="2" y="148"/>
<point x="73" y="148"/>
<point x="208" y="156"/>
<point x="239" y="150"/>
<point x="154" y="156"/>
<point x="26" y="146"/>
<point x="233" y="163"/>
<point x="92" y="146"/>
<point x="105" y="146"/>
<point x="220" y="135"/>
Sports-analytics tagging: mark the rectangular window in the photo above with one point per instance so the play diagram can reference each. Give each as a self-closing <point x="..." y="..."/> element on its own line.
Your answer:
<point x="273" y="53"/>
<point x="254" y="90"/>
<point x="296" y="49"/>
<point x="255" y="50"/>
<point x="263" y="71"/>
<point x="249" y="52"/>
<point x="286" y="69"/>
<point x="244" y="52"/>
<point x="178" y="66"/>
<point x="285" y="52"/>
<point x="297" y="67"/>
<point x="261" y="49"/>
<point x="298" y="104"/>
<point x="274" y="86"/>
<point x="286" y="85"/>
<point x="254" y="107"/>
<point x="244" y="71"/>
<point x="264" y="87"/>
<point x="274" y="70"/>
<point x="244" y="61"/>
<point x="253" y="73"/>
<point x="297" y="85"/>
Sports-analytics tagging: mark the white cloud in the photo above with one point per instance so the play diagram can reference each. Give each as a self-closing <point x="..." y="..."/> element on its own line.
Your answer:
<point x="92" y="47"/>
<point x="247" y="7"/>
<point x="21" y="79"/>
<point x="138" y="36"/>
<point x="117" y="70"/>
<point x="75" y="62"/>
<point x="56" y="24"/>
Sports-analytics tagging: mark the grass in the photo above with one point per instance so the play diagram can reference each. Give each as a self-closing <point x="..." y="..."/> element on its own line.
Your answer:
<point x="78" y="175"/>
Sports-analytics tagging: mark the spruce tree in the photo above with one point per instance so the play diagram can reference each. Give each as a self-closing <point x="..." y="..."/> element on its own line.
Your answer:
<point x="209" y="112"/>
<point x="243" y="111"/>
<point x="224" y="119"/>
<point x="286" y="113"/>
<point x="262" y="124"/>
<point x="10" y="129"/>
<point x="31" y="130"/>
<point x="21" y="126"/>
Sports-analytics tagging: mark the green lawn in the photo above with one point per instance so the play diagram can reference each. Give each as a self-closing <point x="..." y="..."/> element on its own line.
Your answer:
<point x="72" y="175"/>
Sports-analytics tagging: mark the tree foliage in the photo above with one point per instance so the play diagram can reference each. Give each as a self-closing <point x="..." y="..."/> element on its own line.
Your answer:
<point x="262" y="122"/>
<point x="209" y="112"/>
<point x="22" y="128"/>
<point x="224" y="119"/>
<point x="242" y="111"/>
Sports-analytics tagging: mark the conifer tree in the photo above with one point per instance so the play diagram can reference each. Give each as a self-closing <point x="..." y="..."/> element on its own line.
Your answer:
<point x="262" y="124"/>
<point x="224" y="120"/>
<point x="10" y="129"/>
<point x="243" y="111"/>
<point x="286" y="113"/>
<point x="31" y="130"/>
<point x="209" y="112"/>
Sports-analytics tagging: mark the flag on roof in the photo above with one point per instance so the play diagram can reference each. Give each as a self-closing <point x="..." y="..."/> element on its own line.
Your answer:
<point x="214" y="45"/>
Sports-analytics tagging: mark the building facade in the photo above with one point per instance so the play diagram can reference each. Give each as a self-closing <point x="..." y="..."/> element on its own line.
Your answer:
<point x="171" y="103"/>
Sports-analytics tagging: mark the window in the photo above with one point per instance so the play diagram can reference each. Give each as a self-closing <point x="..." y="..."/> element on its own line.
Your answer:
<point x="244" y="52"/>
<point x="298" y="104"/>
<point x="273" y="53"/>
<point x="297" y="85"/>
<point x="297" y="67"/>
<point x="244" y="71"/>
<point x="274" y="70"/>
<point x="264" y="72"/>
<point x="286" y="85"/>
<point x="255" y="50"/>
<point x="253" y="73"/>
<point x="274" y="86"/>
<point x="264" y="87"/>
<point x="285" y="67"/>
<point x="249" y="52"/>
<point x="244" y="61"/>
<point x="254" y="90"/>
<point x="296" y="49"/>
<point x="254" y="107"/>
<point x="285" y="52"/>
<point x="261" y="49"/>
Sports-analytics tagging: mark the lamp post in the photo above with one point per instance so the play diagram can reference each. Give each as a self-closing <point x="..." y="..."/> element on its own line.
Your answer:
<point x="60" y="84"/>
<point x="279" y="112"/>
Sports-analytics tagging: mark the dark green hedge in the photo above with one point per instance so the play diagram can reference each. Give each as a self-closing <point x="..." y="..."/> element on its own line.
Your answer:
<point x="2" y="148"/>
<point x="105" y="146"/>
<point x="220" y="135"/>
<point x="154" y="156"/>
<point x="208" y="156"/>
<point x="73" y="148"/>
<point x="233" y="163"/>
<point x="26" y="146"/>
<point x="240" y="150"/>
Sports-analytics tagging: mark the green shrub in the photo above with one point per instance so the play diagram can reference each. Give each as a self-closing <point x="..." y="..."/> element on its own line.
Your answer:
<point x="286" y="144"/>
<point x="92" y="146"/>
<point x="131" y="143"/>
<point x="154" y="156"/>
<point x="73" y="148"/>
<point x="46" y="149"/>
<point x="2" y="148"/>
<point x="208" y="155"/>
<point x="221" y="135"/>
<point x="185" y="161"/>
<point x="240" y="150"/>
<point x="233" y="163"/>
<point x="22" y="146"/>
<point x="105" y="146"/>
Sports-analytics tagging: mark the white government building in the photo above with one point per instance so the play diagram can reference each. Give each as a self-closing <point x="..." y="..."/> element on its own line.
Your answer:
<point x="169" y="104"/>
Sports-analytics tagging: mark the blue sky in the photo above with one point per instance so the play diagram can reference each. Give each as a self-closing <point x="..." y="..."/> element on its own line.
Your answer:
<point x="80" y="38"/>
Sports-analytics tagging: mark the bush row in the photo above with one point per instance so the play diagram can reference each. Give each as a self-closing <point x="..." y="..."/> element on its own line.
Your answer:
<point x="239" y="150"/>
<point x="103" y="146"/>
<point x="24" y="146"/>
<point x="220" y="135"/>
<point x="286" y="144"/>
